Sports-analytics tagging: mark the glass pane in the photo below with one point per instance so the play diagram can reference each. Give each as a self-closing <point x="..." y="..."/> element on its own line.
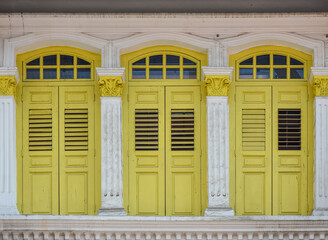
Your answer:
<point x="280" y="73"/>
<point x="138" y="73"/>
<point x="32" y="73"/>
<point x="50" y="73"/>
<point x="189" y="73"/>
<point x="82" y="62"/>
<point x="263" y="60"/>
<point x="245" y="73"/>
<point x="172" y="60"/>
<point x="35" y="62"/>
<point x="140" y="62"/>
<point x="173" y="73"/>
<point x="83" y="73"/>
<point x="263" y="73"/>
<point x="156" y="60"/>
<point x="156" y="73"/>
<point x="293" y="61"/>
<point x="188" y="62"/>
<point x="279" y="60"/>
<point x="66" y="73"/>
<point x="296" y="73"/>
<point x="247" y="62"/>
<point x="50" y="60"/>
<point x="66" y="60"/>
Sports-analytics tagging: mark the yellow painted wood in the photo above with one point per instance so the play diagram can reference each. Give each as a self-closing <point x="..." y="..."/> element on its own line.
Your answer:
<point x="253" y="151"/>
<point x="80" y="169"/>
<point x="147" y="168"/>
<point x="40" y="162"/>
<point x="76" y="139"/>
<point x="292" y="171"/>
<point x="183" y="167"/>
<point x="290" y="166"/>
<point x="129" y="87"/>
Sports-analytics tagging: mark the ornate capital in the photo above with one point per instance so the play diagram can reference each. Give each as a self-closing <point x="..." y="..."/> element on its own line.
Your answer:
<point x="217" y="85"/>
<point x="7" y="85"/>
<point x="110" y="86"/>
<point x="320" y="85"/>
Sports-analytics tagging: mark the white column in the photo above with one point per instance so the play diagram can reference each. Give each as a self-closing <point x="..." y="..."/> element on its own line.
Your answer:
<point x="111" y="157"/>
<point x="8" y="188"/>
<point x="320" y="156"/>
<point x="218" y="156"/>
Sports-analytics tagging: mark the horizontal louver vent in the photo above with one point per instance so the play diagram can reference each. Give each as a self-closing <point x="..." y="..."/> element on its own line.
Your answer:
<point x="253" y="124"/>
<point x="289" y="128"/>
<point x="182" y="130"/>
<point x="76" y="129"/>
<point x="40" y="129"/>
<point x="146" y="129"/>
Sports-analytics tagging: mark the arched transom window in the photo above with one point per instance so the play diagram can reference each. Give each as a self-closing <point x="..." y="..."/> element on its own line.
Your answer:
<point x="56" y="66"/>
<point x="165" y="66"/>
<point x="271" y="66"/>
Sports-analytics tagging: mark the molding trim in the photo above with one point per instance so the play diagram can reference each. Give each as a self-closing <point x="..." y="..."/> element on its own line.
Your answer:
<point x="101" y="227"/>
<point x="320" y="85"/>
<point x="142" y="40"/>
<point x="119" y="72"/>
<point x="250" y="40"/>
<point x="110" y="86"/>
<point x="34" y="41"/>
<point x="318" y="71"/>
<point x="7" y="85"/>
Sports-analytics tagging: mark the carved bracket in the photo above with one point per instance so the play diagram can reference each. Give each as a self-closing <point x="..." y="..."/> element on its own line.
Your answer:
<point x="110" y="86"/>
<point x="7" y="85"/>
<point x="320" y="85"/>
<point x="217" y="85"/>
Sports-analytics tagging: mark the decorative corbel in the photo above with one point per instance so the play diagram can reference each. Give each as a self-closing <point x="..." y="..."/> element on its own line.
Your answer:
<point x="320" y="85"/>
<point x="7" y="85"/>
<point x="110" y="86"/>
<point x="217" y="85"/>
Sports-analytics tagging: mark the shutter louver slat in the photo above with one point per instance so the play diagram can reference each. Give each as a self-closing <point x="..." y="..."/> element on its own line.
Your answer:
<point x="182" y="130"/>
<point x="253" y="133"/>
<point x="76" y="129"/>
<point x="146" y="129"/>
<point x="289" y="129"/>
<point x="40" y="130"/>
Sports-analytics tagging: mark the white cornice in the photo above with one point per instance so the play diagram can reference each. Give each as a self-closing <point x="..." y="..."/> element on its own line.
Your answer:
<point x="116" y="72"/>
<point x="9" y="71"/>
<point x="225" y="71"/>
<point x="318" y="71"/>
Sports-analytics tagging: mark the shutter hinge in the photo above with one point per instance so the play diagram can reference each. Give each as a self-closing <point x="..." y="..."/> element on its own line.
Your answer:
<point x="95" y="154"/>
<point x="94" y="97"/>
<point x="22" y="97"/>
<point x="235" y="97"/>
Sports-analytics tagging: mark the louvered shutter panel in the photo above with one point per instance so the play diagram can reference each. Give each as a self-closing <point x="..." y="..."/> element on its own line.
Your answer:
<point x="182" y="130"/>
<point x="183" y="158"/>
<point x="40" y="150"/>
<point x="146" y="129"/>
<point x="289" y="129"/>
<point x="77" y="150"/>
<point x="40" y="129"/>
<point x="253" y="150"/>
<point x="253" y="129"/>
<point x="76" y="129"/>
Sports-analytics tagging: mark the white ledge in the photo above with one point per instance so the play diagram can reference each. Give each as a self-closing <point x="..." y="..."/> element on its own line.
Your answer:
<point x="318" y="71"/>
<point x="217" y="71"/>
<point x="115" y="72"/>
<point x="9" y="71"/>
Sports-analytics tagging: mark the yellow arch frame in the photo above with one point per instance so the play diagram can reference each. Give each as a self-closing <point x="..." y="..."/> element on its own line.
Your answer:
<point x="126" y="61"/>
<point x="234" y="61"/>
<point x="21" y="60"/>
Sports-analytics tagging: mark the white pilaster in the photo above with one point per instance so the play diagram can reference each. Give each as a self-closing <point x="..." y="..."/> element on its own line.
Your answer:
<point x="218" y="156"/>
<point x="8" y="188"/>
<point x="320" y="156"/>
<point x="111" y="157"/>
